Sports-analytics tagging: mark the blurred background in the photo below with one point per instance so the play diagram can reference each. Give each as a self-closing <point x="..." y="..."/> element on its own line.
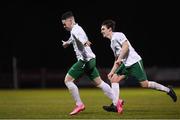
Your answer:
<point x="31" y="55"/>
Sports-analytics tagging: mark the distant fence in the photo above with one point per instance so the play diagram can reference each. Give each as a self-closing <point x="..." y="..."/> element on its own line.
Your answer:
<point x="49" y="78"/>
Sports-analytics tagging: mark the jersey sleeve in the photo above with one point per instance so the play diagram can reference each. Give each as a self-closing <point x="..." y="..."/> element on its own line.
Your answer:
<point x="122" y="38"/>
<point x="69" y="40"/>
<point x="80" y="36"/>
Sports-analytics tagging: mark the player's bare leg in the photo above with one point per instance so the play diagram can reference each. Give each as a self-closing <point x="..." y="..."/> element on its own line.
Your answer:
<point x="73" y="89"/>
<point x="157" y="86"/>
<point x="105" y="87"/>
<point x="117" y="105"/>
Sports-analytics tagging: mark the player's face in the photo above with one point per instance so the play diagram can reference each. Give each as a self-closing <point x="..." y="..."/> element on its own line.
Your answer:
<point x="105" y="31"/>
<point x="67" y="24"/>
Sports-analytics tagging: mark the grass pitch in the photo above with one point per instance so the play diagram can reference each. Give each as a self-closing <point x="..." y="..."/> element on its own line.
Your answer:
<point x="57" y="103"/>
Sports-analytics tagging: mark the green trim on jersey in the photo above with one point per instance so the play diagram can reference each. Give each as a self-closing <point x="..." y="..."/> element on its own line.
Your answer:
<point x="81" y="67"/>
<point x="136" y="70"/>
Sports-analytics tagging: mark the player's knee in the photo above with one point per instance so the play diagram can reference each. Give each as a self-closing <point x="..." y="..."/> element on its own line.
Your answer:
<point x="97" y="81"/>
<point x="70" y="85"/>
<point x="144" y="84"/>
<point x="117" y="78"/>
<point x="114" y="80"/>
<point x="68" y="78"/>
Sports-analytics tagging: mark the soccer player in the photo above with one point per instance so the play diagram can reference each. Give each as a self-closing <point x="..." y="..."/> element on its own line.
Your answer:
<point x="86" y="62"/>
<point x="127" y="62"/>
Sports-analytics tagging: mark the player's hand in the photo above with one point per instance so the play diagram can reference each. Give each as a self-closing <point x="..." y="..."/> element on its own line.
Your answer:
<point x="88" y="43"/>
<point x="118" y="62"/>
<point x="64" y="44"/>
<point x="110" y="75"/>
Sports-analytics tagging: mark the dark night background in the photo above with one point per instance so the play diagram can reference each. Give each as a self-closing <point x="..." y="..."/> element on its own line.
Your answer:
<point x="32" y="32"/>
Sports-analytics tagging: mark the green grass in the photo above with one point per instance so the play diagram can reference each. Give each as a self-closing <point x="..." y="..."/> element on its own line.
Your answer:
<point x="57" y="103"/>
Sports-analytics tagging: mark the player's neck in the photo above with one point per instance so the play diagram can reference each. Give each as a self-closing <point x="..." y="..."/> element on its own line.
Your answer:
<point x="110" y="35"/>
<point x="72" y="25"/>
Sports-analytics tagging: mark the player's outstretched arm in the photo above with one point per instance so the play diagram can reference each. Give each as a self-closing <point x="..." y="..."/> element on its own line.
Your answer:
<point x="65" y="44"/>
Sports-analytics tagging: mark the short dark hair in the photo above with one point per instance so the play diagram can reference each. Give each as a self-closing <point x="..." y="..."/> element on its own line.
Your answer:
<point x="109" y="24"/>
<point x="66" y="15"/>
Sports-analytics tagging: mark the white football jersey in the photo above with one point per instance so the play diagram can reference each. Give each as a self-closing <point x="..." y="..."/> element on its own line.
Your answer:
<point x="78" y="38"/>
<point x="116" y="45"/>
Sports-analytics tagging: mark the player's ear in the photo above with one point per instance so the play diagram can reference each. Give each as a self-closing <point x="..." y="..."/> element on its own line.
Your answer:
<point x="72" y="19"/>
<point x="109" y="29"/>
